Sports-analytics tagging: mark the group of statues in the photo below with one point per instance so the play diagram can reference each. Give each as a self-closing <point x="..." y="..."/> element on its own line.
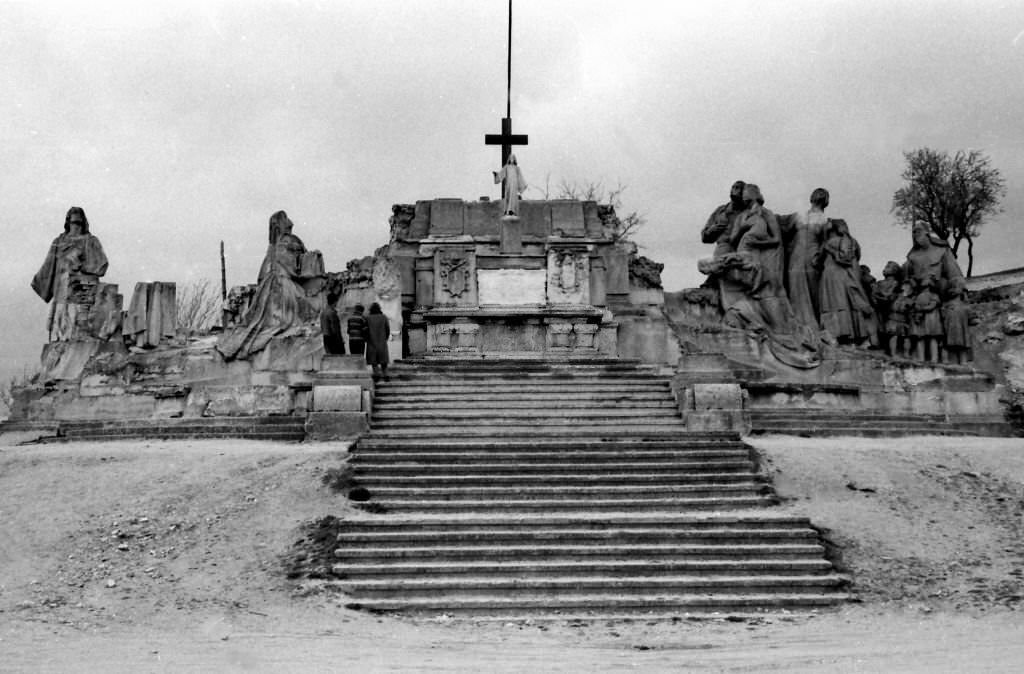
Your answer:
<point x="798" y="279"/>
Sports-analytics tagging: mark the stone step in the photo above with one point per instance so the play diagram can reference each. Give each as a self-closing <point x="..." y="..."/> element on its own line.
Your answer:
<point x="669" y="521"/>
<point x="623" y="489"/>
<point x="203" y="422"/>
<point x="495" y="470"/>
<point x="528" y="402"/>
<point x="857" y="431"/>
<point x="516" y="568"/>
<point x="588" y="504"/>
<point x="408" y="588"/>
<point x="472" y="458"/>
<point x="520" y="427"/>
<point x="586" y="414"/>
<point x="380" y="480"/>
<point x="618" y="602"/>
<point x="687" y="440"/>
<point x="554" y="551"/>
<point x="524" y="536"/>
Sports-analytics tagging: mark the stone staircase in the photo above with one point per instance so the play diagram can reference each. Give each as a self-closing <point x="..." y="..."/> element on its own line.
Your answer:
<point x="276" y="428"/>
<point x="526" y="488"/>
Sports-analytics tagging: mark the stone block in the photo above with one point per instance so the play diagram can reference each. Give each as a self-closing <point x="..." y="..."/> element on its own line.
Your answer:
<point x="511" y="235"/>
<point x="347" y="364"/>
<point x="718" y="420"/>
<point x="406" y="274"/>
<point x="235" y="401"/>
<point x="567" y="218"/>
<point x="536" y="218"/>
<point x="419" y="228"/>
<point x="616" y="262"/>
<point x="325" y="426"/>
<point x="447" y="217"/>
<point x="482" y="218"/>
<point x="717" y="397"/>
<point x="598" y="281"/>
<point x="591" y="220"/>
<point x="335" y="398"/>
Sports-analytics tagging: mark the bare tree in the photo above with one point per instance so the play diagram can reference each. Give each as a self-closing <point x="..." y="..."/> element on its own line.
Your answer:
<point x="626" y="226"/>
<point x="198" y="305"/>
<point x="951" y="194"/>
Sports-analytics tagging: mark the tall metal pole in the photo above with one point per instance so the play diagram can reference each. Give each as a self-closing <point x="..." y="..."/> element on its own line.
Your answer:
<point x="508" y="90"/>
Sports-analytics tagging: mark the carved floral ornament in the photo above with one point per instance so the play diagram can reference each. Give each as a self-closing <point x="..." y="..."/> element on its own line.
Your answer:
<point x="454" y="271"/>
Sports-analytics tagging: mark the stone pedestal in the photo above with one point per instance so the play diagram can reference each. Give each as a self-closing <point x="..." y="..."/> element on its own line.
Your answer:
<point x="511" y="235"/>
<point x="715" y="407"/>
<point x="341" y="399"/>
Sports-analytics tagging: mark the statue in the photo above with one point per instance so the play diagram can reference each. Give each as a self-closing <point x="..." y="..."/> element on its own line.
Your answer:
<point x="748" y="268"/>
<point x="891" y="324"/>
<point x="514" y="185"/>
<point x="70" y="277"/>
<point x="805" y="234"/>
<point x="282" y="302"/>
<point x="933" y="270"/>
<point x="846" y="311"/>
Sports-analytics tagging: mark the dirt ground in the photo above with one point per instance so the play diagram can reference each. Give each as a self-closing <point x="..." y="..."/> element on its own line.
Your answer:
<point x="153" y="556"/>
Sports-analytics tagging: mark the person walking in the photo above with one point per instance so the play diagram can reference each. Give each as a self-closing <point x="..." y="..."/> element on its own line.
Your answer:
<point x="378" y="336"/>
<point x="356" y="328"/>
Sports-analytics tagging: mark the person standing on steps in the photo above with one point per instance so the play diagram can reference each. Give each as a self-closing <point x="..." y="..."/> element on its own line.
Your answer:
<point x="356" y="329"/>
<point x="378" y="336"/>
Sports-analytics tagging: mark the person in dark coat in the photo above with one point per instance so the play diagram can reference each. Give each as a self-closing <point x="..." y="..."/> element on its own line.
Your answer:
<point x="330" y="326"/>
<point x="356" y="328"/>
<point x="378" y="336"/>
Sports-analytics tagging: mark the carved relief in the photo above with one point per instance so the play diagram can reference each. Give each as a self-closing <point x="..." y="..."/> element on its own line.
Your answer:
<point x="454" y="270"/>
<point x="568" y="276"/>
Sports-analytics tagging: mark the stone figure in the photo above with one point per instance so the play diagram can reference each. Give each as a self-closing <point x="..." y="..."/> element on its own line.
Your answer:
<point x="927" y="326"/>
<point x="378" y="332"/>
<point x="69" y="277"/>
<point x="883" y="295"/>
<point x="805" y="234"/>
<point x="901" y="319"/>
<point x="930" y="257"/>
<point x="955" y="328"/>
<point x="280" y="305"/>
<point x="514" y="185"/>
<point x="152" y="316"/>
<point x="931" y="264"/>
<point x="846" y="312"/>
<point x="752" y="291"/>
<point x="718" y="229"/>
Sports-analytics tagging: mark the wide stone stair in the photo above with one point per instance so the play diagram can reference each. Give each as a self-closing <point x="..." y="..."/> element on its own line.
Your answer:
<point x="525" y="488"/>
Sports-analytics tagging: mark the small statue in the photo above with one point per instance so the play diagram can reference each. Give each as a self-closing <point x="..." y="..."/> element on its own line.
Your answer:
<point x="898" y="325"/>
<point x="955" y="328"/>
<point x="927" y="327"/>
<point x="514" y="185"/>
<point x="70" y="276"/>
<point x="883" y="295"/>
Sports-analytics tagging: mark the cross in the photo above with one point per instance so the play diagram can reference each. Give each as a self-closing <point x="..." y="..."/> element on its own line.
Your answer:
<point x="506" y="139"/>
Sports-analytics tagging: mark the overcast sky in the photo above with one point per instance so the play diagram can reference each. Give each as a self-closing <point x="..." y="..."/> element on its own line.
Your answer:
<point x="177" y="125"/>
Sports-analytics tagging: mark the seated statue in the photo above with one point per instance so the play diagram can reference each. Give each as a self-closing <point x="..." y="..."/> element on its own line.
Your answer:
<point x="282" y="302"/>
<point x="70" y="277"/>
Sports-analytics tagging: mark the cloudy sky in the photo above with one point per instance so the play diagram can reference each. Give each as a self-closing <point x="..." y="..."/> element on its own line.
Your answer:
<point x="180" y="124"/>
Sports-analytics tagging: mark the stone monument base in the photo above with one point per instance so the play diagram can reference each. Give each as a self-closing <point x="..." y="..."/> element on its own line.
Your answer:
<point x="520" y="332"/>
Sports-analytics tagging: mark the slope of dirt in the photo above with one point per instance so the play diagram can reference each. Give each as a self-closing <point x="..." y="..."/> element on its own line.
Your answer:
<point x="142" y="556"/>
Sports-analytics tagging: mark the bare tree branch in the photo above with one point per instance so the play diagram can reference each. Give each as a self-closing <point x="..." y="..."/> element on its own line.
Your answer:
<point x="198" y="305"/>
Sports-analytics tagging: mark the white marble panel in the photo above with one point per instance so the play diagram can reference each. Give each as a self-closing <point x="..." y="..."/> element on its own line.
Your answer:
<point x="511" y="286"/>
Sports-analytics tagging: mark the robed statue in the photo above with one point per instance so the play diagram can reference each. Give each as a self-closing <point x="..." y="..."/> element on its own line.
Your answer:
<point x="69" y="277"/>
<point x="513" y="185"/>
